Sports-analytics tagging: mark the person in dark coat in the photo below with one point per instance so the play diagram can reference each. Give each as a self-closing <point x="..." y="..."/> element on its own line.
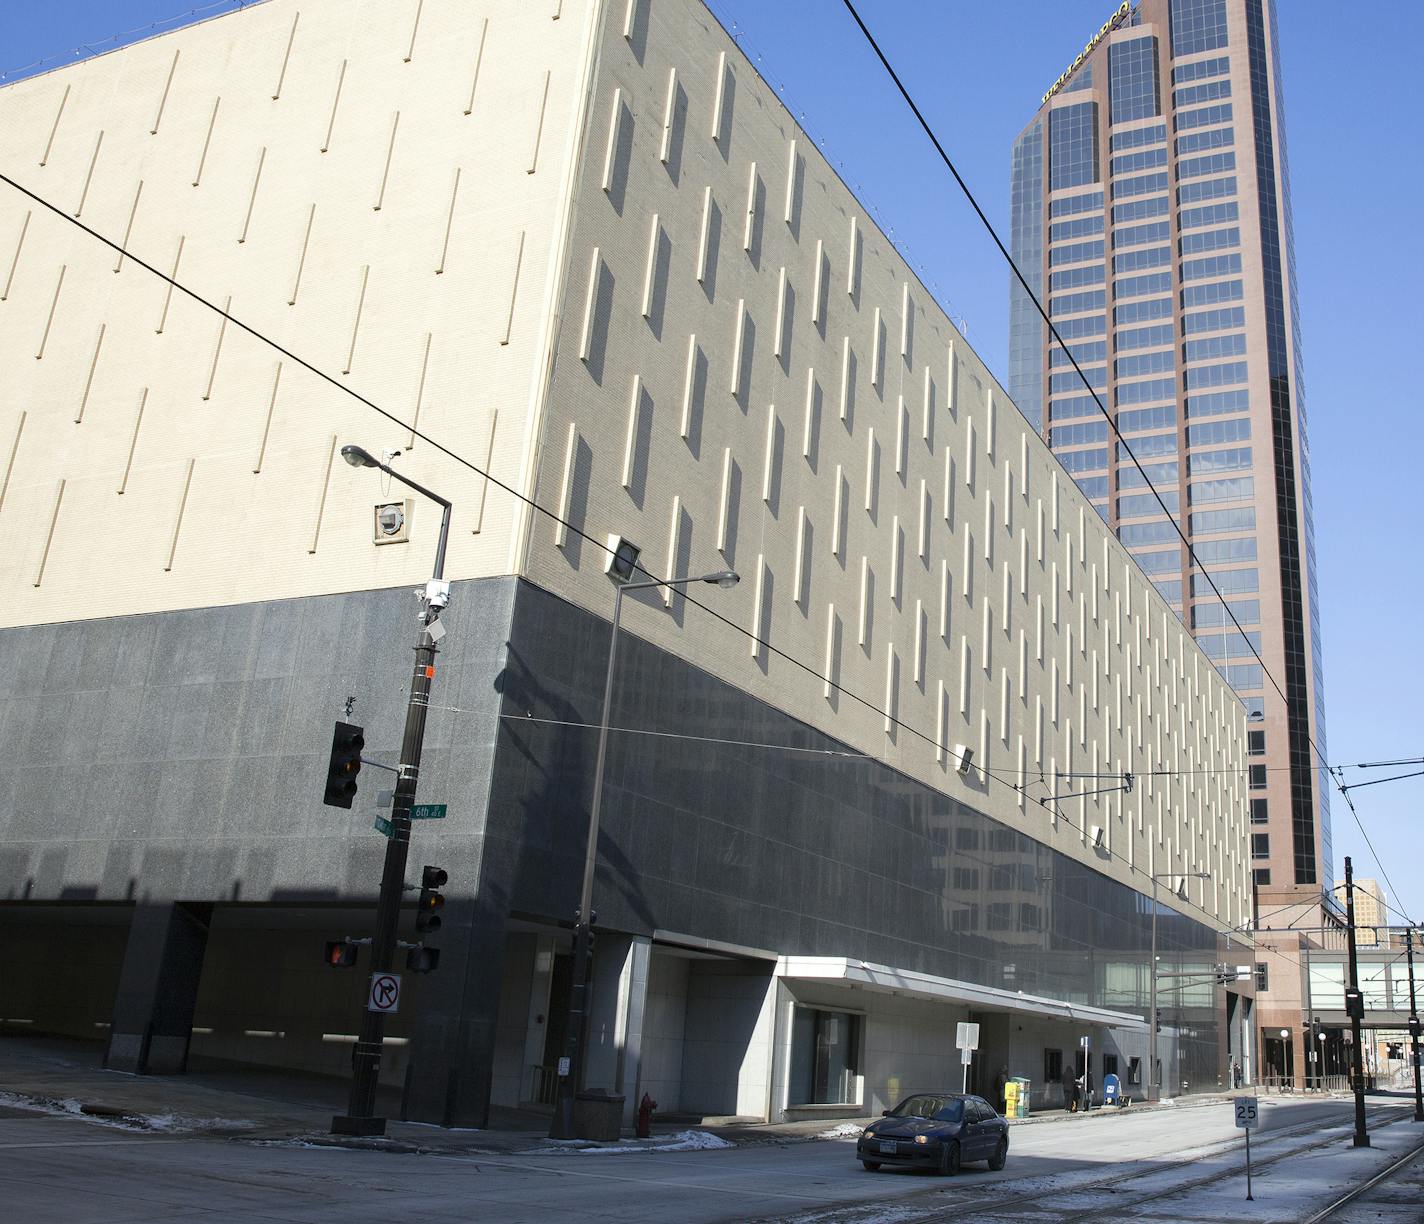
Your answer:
<point x="1070" y="1091"/>
<point x="1000" y="1082"/>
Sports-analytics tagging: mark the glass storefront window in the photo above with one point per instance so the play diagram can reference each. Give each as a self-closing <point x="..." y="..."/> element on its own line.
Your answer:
<point x="825" y="1057"/>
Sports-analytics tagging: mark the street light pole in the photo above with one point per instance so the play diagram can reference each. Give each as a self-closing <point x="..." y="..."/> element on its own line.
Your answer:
<point x="1413" y="1025"/>
<point x="571" y="1067"/>
<point x="360" y="1116"/>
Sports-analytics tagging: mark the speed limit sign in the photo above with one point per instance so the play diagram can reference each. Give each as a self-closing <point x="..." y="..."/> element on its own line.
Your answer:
<point x="1248" y="1118"/>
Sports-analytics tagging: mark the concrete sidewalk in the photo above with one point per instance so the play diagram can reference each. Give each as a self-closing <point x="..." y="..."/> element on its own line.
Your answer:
<point x="264" y="1105"/>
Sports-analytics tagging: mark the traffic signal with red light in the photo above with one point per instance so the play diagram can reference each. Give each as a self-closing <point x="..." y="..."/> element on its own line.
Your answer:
<point x="346" y="744"/>
<point x="431" y="901"/>
<point x="340" y="954"/>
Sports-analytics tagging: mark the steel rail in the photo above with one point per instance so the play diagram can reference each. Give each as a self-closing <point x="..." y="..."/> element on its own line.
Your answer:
<point x="972" y="1198"/>
<point x="1365" y="1187"/>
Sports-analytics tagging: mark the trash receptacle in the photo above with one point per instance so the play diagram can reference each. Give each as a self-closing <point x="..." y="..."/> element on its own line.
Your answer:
<point x="1022" y="1096"/>
<point x="598" y="1115"/>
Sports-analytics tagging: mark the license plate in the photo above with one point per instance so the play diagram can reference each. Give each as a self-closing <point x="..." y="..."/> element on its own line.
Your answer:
<point x="886" y="1146"/>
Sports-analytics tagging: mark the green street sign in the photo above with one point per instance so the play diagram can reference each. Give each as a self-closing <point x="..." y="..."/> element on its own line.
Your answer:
<point x="420" y="811"/>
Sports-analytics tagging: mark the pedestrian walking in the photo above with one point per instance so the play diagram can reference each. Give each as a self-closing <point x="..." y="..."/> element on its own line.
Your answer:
<point x="1000" y="1083"/>
<point x="1070" y="1091"/>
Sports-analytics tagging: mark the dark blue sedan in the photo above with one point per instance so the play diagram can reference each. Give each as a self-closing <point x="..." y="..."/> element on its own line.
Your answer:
<point x="936" y="1130"/>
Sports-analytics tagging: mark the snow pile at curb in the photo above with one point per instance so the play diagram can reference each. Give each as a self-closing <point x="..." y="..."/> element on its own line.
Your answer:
<point x="846" y="1130"/>
<point x="683" y="1141"/>
<point x="167" y="1123"/>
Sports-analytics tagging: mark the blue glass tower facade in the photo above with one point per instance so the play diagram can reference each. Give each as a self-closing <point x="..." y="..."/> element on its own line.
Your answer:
<point x="1151" y="217"/>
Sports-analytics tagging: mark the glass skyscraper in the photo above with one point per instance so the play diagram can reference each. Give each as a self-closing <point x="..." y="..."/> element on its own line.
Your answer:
<point x="1151" y="215"/>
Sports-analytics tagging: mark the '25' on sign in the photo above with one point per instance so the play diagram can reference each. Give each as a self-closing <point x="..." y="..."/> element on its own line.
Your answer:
<point x="1248" y="1117"/>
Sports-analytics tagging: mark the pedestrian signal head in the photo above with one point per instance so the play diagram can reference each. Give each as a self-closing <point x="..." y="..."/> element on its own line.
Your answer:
<point x="340" y="954"/>
<point x="422" y="960"/>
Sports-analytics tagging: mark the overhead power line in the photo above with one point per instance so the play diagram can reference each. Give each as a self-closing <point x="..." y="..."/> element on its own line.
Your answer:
<point x="808" y="669"/>
<point x="1124" y="447"/>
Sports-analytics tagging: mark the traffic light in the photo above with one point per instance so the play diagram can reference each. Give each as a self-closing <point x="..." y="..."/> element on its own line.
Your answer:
<point x="422" y="960"/>
<point x="340" y="954"/>
<point x="1414" y="1026"/>
<point x="346" y="744"/>
<point x="432" y="901"/>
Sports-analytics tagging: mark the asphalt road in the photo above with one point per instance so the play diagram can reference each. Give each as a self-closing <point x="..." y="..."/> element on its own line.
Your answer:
<point x="70" y="1171"/>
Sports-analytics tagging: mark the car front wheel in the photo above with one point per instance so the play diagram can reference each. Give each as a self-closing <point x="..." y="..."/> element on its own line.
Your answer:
<point x="872" y="1165"/>
<point x="1001" y="1154"/>
<point x="949" y="1159"/>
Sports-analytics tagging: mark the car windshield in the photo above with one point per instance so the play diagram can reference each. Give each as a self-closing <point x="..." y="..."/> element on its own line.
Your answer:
<point x="940" y="1109"/>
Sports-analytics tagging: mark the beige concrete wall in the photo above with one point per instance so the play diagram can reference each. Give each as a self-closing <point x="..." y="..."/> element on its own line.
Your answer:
<point x="909" y="537"/>
<point x="919" y="574"/>
<point x="303" y="154"/>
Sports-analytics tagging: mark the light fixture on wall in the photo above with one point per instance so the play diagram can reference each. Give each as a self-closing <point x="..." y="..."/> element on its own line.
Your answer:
<point x="621" y="560"/>
<point x="392" y="522"/>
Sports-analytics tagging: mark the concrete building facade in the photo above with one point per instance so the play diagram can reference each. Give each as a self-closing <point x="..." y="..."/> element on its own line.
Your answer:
<point x="920" y="766"/>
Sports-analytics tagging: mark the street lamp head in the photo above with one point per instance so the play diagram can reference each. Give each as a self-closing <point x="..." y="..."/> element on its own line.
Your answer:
<point x="726" y="579"/>
<point x="357" y="457"/>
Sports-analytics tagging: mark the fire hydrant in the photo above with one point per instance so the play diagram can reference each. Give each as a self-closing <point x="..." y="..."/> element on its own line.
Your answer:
<point x="645" y="1116"/>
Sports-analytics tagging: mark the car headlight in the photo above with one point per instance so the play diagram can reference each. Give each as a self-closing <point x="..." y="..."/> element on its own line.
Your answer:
<point x="922" y="1138"/>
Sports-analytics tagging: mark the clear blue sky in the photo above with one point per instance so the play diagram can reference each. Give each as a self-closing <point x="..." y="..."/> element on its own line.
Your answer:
<point x="977" y="70"/>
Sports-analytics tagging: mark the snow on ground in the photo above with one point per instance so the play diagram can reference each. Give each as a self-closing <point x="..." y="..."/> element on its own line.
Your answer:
<point x="1296" y="1187"/>
<point x="846" y="1130"/>
<point x="68" y="1107"/>
<point x="683" y="1141"/>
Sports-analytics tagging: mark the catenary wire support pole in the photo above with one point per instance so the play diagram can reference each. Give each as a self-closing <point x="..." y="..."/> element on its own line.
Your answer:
<point x="360" y="1116"/>
<point x="571" y="1065"/>
<point x="1353" y="1002"/>
<point x="1154" y="1086"/>
<point x="1413" y="1027"/>
<point x="1154" y="1089"/>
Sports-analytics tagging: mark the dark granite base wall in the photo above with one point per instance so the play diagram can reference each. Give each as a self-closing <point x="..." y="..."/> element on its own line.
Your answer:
<point x="791" y="851"/>
<point x="183" y="754"/>
<point x="180" y="756"/>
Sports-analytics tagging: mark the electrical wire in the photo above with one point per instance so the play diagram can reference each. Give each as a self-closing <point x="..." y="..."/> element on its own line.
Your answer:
<point x="323" y="376"/>
<point x="1122" y="444"/>
<point x="1418" y="773"/>
<point x="1383" y="764"/>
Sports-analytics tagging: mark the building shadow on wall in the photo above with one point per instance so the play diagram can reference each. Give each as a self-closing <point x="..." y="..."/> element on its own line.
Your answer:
<point x="558" y="754"/>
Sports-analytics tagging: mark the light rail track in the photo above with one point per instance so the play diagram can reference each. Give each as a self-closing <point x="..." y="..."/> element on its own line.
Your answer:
<point x="1049" y="1199"/>
<point x="1380" y="1118"/>
<point x="1360" y="1191"/>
